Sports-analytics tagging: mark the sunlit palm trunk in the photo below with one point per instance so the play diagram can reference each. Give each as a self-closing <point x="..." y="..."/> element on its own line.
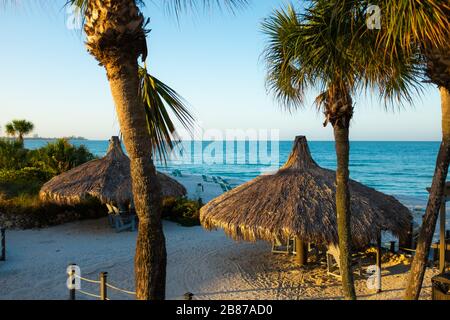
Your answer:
<point x="343" y="210"/>
<point x="434" y="203"/>
<point x="115" y="36"/>
<point x="340" y="111"/>
<point x="150" y="258"/>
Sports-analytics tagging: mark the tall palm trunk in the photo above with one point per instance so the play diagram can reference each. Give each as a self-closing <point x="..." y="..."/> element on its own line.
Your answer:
<point x="340" y="112"/>
<point x="115" y="36"/>
<point x="434" y="203"/>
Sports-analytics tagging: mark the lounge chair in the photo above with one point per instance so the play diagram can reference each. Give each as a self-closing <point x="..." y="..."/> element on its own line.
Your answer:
<point x="285" y="247"/>
<point x="121" y="220"/>
<point x="333" y="263"/>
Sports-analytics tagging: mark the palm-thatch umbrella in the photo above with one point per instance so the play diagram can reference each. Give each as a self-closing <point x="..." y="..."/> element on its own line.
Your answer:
<point x="107" y="179"/>
<point x="299" y="201"/>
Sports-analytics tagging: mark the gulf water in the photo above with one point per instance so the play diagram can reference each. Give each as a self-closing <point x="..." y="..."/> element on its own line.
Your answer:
<point x="403" y="169"/>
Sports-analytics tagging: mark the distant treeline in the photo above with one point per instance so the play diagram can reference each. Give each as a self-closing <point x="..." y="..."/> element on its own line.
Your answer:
<point x="44" y="138"/>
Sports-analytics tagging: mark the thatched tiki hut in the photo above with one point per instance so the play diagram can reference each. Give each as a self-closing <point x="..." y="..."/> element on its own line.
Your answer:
<point x="299" y="202"/>
<point x="107" y="179"/>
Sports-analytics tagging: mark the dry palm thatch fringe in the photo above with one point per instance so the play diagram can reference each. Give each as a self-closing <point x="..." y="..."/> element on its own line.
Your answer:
<point x="107" y="179"/>
<point x="299" y="201"/>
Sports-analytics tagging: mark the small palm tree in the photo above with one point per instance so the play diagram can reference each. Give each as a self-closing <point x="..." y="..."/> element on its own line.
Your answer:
<point x="19" y="128"/>
<point x="315" y="50"/>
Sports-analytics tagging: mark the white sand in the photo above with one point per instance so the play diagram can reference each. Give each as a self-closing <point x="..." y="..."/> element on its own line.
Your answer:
<point x="206" y="263"/>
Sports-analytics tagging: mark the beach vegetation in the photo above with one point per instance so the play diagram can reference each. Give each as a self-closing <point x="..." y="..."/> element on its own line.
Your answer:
<point x="22" y="174"/>
<point x="182" y="211"/>
<point x="19" y="128"/>
<point x="59" y="156"/>
<point x="12" y="155"/>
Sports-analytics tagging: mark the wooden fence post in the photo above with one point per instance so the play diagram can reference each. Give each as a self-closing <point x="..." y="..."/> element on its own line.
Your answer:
<point x="103" y="286"/>
<point x="3" y="244"/>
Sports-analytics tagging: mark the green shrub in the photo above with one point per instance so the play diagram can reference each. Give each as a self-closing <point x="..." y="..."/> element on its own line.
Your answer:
<point x="24" y="175"/>
<point x="59" y="156"/>
<point x="12" y="155"/>
<point x="181" y="210"/>
<point x="26" y="181"/>
<point x="27" y="211"/>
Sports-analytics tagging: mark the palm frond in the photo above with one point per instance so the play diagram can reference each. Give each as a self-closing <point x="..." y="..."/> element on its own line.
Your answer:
<point x="158" y="98"/>
<point x="178" y="6"/>
<point x="328" y="45"/>
<point x="415" y="22"/>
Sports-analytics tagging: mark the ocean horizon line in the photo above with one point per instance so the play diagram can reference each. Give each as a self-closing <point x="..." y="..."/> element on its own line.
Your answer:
<point x="235" y="140"/>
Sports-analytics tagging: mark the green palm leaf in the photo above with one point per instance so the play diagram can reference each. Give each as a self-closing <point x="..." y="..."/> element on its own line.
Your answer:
<point x="158" y="98"/>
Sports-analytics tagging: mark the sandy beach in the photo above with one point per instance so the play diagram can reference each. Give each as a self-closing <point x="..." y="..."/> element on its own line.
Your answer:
<point x="208" y="264"/>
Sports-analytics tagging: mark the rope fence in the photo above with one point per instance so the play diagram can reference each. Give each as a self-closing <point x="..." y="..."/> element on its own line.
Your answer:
<point x="120" y="290"/>
<point x="102" y="283"/>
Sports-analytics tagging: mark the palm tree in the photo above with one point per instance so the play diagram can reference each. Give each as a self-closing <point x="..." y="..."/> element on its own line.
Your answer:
<point x="20" y="128"/>
<point x="423" y="25"/>
<point x="315" y="50"/>
<point x="116" y="37"/>
<point x="419" y="28"/>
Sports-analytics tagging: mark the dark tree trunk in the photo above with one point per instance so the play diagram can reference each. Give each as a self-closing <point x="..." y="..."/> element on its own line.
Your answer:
<point x="341" y="136"/>
<point x="418" y="266"/>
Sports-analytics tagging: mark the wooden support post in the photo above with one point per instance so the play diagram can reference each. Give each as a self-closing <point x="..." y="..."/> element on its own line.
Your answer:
<point x="3" y="245"/>
<point x="392" y="247"/>
<point x="442" y="245"/>
<point x="103" y="287"/>
<point x="301" y="249"/>
<point x="406" y="241"/>
<point x="378" y="262"/>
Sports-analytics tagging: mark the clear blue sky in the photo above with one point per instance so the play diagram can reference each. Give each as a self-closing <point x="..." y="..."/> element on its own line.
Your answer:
<point x="212" y="59"/>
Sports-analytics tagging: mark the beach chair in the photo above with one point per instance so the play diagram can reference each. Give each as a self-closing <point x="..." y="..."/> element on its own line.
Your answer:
<point x="121" y="220"/>
<point x="333" y="264"/>
<point x="284" y="247"/>
<point x="224" y="188"/>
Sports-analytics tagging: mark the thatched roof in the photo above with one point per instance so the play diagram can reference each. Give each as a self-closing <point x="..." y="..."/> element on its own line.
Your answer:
<point x="299" y="201"/>
<point x="107" y="179"/>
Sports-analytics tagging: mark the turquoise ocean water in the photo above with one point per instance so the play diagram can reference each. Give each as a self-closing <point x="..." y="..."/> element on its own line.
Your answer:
<point x="396" y="168"/>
